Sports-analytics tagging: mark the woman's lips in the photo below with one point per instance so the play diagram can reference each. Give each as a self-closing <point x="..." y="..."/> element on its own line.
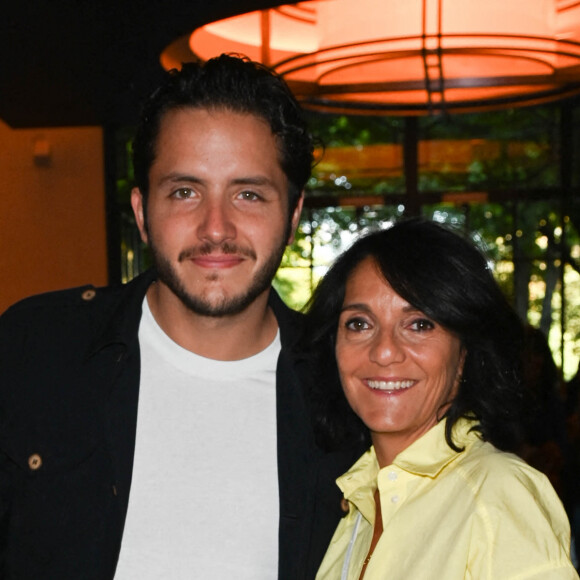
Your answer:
<point x="389" y="384"/>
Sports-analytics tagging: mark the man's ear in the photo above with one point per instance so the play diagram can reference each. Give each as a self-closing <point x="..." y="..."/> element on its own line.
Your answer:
<point x="137" y="205"/>
<point x="295" y="218"/>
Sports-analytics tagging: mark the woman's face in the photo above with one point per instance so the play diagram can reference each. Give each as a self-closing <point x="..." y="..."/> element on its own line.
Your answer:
<point x="399" y="369"/>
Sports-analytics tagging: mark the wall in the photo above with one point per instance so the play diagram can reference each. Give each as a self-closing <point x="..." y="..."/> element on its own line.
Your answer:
<point x="52" y="210"/>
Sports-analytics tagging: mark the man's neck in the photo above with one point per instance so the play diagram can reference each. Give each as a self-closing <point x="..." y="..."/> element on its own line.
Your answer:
<point x="220" y="338"/>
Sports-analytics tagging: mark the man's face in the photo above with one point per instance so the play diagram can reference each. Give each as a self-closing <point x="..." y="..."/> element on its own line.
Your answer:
<point x="217" y="213"/>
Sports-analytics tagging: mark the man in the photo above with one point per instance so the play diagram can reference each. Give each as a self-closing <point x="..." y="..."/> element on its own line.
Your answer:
<point x="161" y="429"/>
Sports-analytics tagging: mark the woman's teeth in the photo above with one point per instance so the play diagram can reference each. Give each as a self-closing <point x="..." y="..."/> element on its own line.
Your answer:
<point x="389" y="385"/>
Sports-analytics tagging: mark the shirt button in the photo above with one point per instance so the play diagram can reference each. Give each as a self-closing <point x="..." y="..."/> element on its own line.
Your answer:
<point x="392" y="475"/>
<point x="395" y="499"/>
<point x="88" y="294"/>
<point x="35" y="461"/>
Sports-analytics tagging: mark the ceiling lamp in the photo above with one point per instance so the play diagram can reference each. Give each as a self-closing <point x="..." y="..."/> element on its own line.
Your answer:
<point x="406" y="57"/>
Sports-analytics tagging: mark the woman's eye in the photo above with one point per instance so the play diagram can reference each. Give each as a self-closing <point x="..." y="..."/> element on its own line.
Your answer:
<point x="356" y="324"/>
<point x="422" y="324"/>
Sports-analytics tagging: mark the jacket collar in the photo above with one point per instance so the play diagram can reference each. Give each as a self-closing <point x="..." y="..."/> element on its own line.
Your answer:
<point x="122" y="323"/>
<point x="289" y="321"/>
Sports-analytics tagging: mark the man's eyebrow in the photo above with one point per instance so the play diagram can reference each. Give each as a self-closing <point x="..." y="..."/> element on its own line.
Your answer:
<point x="180" y="178"/>
<point x="260" y="180"/>
<point x="252" y="180"/>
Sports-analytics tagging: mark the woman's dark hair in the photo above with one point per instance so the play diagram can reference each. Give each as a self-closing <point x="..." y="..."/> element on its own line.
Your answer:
<point x="446" y="277"/>
<point x="234" y="84"/>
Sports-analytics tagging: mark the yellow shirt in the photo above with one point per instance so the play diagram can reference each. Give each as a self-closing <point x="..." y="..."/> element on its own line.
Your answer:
<point x="481" y="514"/>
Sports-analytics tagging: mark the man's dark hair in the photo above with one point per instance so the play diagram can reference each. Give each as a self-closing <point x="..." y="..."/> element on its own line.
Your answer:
<point x="235" y="84"/>
<point x="445" y="276"/>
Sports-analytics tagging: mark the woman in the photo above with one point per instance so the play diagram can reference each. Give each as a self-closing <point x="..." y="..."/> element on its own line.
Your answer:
<point x="427" y="351"/>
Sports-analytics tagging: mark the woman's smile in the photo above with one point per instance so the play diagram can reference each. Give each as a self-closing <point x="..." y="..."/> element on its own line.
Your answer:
<point x="399" y="369"/>
<point x="389" y="385"/>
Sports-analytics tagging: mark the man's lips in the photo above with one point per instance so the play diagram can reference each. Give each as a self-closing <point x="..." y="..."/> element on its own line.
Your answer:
<point x="218" y="256"/>
<point x="217" y="261"/>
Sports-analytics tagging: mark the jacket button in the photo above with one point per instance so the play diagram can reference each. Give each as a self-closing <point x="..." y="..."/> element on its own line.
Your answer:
<point x="35" y="462"/>
<point x="88" y="294"/>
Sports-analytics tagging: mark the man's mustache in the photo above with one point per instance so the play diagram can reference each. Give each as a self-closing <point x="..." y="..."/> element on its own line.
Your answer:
<point x="208" y="248"/>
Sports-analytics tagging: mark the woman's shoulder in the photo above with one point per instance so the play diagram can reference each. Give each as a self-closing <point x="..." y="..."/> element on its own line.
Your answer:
<point x="487" y="467"/>
<point x="518" y="521"/>
<point x="502" y="482"/>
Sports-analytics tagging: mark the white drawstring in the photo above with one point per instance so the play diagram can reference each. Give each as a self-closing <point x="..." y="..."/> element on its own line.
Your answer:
<point x="346" y="563"/>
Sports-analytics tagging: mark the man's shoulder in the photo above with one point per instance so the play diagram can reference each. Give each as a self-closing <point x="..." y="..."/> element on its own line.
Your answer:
<point x="76" y="316"/>
<point x="87" y="298"/>
<point x="56" y="304"/>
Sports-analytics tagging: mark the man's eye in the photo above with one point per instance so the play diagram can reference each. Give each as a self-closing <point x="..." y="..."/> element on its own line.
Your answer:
<point x="356" y="324"/>
<point x="422" y="324"/>
<point x="183" y="193"/>
<point x="249" y="195"/>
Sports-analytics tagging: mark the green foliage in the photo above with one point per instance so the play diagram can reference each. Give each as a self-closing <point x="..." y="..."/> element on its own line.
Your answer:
<point x="338" y="130"/>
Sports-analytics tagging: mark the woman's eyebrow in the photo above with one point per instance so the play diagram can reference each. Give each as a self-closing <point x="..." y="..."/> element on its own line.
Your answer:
<point x="355" y="306"/>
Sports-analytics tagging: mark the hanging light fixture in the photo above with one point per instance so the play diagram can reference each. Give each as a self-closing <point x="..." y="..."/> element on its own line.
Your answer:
<point x="408" y="58"/>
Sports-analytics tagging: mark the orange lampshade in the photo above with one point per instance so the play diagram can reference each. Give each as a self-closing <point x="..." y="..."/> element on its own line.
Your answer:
<point x="411" y="57"/>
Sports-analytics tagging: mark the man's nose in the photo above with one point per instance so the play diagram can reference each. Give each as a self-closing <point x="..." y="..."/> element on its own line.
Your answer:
<point x="217" y="224"/>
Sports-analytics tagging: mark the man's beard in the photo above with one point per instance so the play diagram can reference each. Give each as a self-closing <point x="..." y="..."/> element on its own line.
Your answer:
<point x="227" y="306"/>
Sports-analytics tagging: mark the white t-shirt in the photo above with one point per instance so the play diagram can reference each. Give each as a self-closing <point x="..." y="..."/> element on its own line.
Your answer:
<point x="204" y="494"/>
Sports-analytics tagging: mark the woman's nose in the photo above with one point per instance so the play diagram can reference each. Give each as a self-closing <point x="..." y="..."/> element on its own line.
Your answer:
<point x="386" y="348"/>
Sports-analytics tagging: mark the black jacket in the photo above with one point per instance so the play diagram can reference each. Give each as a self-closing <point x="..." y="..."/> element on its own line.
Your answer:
<point x="69" y="385"/>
